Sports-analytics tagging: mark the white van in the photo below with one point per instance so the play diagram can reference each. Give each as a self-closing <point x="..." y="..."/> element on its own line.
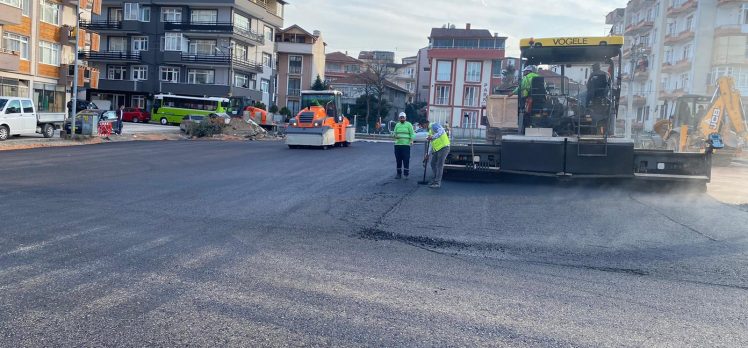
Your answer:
<point x="18" y="116"/>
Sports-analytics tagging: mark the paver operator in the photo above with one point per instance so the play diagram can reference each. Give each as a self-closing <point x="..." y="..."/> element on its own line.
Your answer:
<point x="439" y="150"/>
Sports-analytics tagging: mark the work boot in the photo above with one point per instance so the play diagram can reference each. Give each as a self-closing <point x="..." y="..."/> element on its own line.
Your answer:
<point x="398" y="176"/>
<point x="435" y="185"/>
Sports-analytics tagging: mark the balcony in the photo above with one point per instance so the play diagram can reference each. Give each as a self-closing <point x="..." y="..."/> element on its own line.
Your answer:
<point x="639" y="100"/>
<point x="672" y="94"/>
<point x="686" y="35"/>
<point x="679" y="66"/>
<point x="725" y="2"/>
<point x="9" y="60"/>
<point x="685" y="7"/>
<point x="195" y="89"/>
<point x="110" y="56"/>
<point x="295" y="92"/>
<point x="295" y="48"/>
<point x="641" y="74"/>
<point x="731" y="30"/>
<point x="10" y="15"/>
<point x="105" y="25"/>
<point x="216" y="27"/>
<point x="642" y="26"/>
<point x="212" y="60"/>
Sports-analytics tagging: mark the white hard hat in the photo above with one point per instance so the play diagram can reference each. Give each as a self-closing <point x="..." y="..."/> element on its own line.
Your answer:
<point x="529" y="68"/>
<point x="402" y="115"/>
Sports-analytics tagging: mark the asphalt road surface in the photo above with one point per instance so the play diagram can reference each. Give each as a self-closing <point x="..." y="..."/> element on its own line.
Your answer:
<point x="252" y="244"/>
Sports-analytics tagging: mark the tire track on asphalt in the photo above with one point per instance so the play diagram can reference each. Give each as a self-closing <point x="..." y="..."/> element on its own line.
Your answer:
<point x="671" y="219"/>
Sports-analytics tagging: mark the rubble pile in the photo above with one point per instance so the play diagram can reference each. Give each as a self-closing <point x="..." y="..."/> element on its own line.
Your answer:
<point x="245" y="128"/>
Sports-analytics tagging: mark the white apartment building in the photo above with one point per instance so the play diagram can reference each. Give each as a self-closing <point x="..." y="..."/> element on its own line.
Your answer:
<point x="679" y="47"/>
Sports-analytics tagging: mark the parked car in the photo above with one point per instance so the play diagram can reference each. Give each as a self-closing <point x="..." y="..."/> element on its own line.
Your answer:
<point x="136" y="115"/>
<point x="101" y="115"/>
<point x="187" y="122"/>
<point x="82" y="105"/>
<point x="19" y="116"/>
<point x="421" y="135"/>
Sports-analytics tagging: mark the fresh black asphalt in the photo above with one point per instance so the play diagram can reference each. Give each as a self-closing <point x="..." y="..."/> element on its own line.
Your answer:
<point x="200" y="243"/>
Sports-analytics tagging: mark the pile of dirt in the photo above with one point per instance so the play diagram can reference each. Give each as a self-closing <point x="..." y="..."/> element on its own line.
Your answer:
<point x="244" y="128"/>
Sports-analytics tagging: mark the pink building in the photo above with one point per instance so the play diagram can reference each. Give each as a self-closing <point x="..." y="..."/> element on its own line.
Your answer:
<point x="461" y="74"/>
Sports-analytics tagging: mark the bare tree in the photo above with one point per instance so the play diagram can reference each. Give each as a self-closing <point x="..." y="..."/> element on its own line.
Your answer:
<point x="376" y="78"/>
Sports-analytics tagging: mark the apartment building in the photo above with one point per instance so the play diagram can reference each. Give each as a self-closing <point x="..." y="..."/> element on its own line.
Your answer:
<point x="210" y="48"/>
<point x="678" y="47"/>
<point x="341" y="65"/>
<point x="37" y="51"/>
<point x="381" y="57"/>
<point x="461" y="73"/>
<point x="423" y="76"/>
<point x="404" y="75"/>
<point x="301" y="59"/>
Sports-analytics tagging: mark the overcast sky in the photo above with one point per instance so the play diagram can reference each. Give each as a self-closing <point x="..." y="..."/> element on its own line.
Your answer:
<point x="403" y="26"/>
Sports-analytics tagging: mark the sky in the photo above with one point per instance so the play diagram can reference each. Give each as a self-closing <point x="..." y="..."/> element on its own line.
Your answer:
<point x="403" y="26"/>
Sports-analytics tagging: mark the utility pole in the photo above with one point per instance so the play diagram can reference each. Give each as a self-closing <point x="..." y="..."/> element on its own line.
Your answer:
<point x="74" y="102"/>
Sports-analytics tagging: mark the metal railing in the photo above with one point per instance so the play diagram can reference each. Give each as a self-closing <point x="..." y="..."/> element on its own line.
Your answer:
<point x="108" y="55"/>
<point x="224" y="60"/>
<point x="101" y="25"/>
<point x="200" y="26"/>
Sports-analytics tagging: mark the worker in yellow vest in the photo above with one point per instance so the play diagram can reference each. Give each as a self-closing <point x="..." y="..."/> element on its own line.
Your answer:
<point x="439" y="150"/>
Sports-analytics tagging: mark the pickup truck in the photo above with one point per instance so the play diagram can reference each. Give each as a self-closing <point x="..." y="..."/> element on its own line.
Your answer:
<point x="18" y="116"/>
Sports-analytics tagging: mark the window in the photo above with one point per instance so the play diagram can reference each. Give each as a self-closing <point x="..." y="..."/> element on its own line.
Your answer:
<point x="294" y="106"/>
<point x="471" y="96"/>
<point x="442" y="95"/>
<point x="117" y="44"/>
<point x="267" y="60"/>
<point x="171" y="14"/>
<point x="444" y="70"/>
<point x="139" y="72"/>
<point x="689" y="24"/>
<point x="14" y="87"/>
<point x="240" y="52"/>
<point x="472" y="71"/>
<point x="17" y="43"/>
<point x="203" y="47"/>
<point x="49" y="98"/>
<point x="471" y="121"/>
<point x="115" y="14"/>
<point x="686" y="52"/>
<point x="169" y="74"/>
<point x="294" y="87"/>
<point x="26" y="7"/>
<point x="145" y="14"/>
<point x="49" y="53"/>
<point x="132" y="11"/>
<point x="137" y="101"/>
<point x="201" y="76"/>
<point x="174" y="42"/>
<point x="116" y="72"/>
<point x="27" y="106"/>
<point x="496" y="68"/>
<point x="294" y="64"/>
<point x="744" y="14"/>
<point x="439" y="115"/>
<point x="204" y="16"/>
<point x="268" y="33"/>
<point x="14" y="3"/>
<point x="139" y="43"/>
<point x="241" y="22"/>
<point x="241" y="80"/>
<point x="265" y="86"/>
<point x="50" y="12"/>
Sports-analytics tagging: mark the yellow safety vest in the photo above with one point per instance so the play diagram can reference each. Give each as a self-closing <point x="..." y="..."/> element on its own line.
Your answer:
<point x="440" y="142"/>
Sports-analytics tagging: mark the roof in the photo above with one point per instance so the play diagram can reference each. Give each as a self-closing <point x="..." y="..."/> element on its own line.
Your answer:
<point x="296" y="26"/>
<point x="360" y="79"/>
<point x="342" y="57"/>
<point x="460" y="33"/>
